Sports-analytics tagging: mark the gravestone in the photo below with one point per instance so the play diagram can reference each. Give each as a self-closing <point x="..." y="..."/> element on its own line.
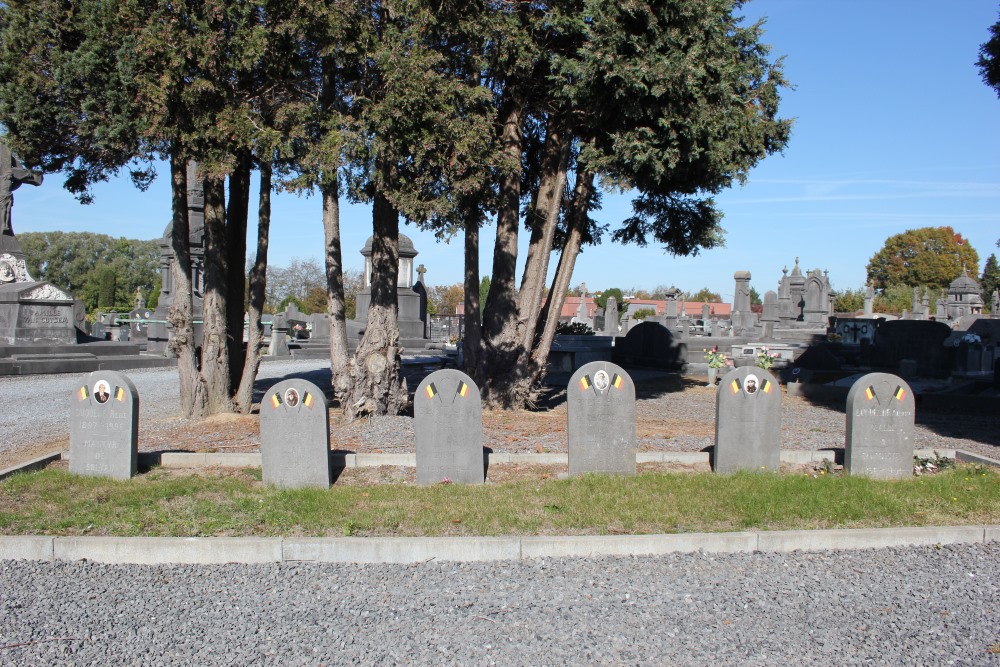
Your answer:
<point x="448" y="420"/>
<point x="649" y="343"/>
<point x="601" y="420"/>
<point x="279" y="337"/>
<point x="610" y="327"/>
<point x="880" y="414"/>
<point x="139" y="323"/>
<point x="295" y="435"/>
<point x="104" y="426"/>
<point x="747" y="421"/>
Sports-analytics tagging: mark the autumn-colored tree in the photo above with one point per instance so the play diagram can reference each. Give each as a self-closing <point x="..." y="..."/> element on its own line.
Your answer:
<point x="926" y="257"/>
<point x="706" y="295"/>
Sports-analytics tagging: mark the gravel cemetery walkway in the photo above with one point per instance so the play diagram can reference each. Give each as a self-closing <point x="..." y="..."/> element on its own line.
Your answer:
<point x="673" y="414"/>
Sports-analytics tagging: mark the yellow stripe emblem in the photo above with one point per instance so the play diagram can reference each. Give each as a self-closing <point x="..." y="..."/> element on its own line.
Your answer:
<point x="308" y="400"/>
<point x="275" y="401"/>
<point x="82" y="394"/>
<point x="431" y="390"/>
<point x="119" y="393"/>
<point x="616" y="382"/>
<point x="735" y="386"/>
<point x="765" y="387"/>
<point x="463" y="389"/>
<point x="900" y="393"/>
<point x="585" y="383"/>
<point x="870" y="393"/>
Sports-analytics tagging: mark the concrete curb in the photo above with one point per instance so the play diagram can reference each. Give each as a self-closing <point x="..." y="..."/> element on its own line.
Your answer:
<point x="250" y="550"/>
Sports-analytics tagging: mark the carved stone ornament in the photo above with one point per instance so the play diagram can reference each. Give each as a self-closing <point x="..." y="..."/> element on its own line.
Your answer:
<point x="46" y="292"/>
<point x="13" y="270"/>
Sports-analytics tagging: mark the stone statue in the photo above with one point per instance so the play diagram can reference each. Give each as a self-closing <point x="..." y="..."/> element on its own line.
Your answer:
<point x="12" y="175"/>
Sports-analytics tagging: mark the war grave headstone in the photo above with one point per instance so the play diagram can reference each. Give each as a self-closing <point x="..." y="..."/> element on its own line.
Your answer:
<point x="104" y="426"/>
<point x="880" y="415"/>
<point x="295" y="435"/>
<point x="448" y="421"/>
<point x="747" y="421"/>
<point x="601" y="420"/>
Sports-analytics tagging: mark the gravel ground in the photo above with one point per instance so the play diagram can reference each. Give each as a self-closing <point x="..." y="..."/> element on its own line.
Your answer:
<point x="674" y="415"/>
<point x="904" y="606"/>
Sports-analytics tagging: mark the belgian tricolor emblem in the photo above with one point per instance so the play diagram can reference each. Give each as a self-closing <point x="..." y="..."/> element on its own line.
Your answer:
<point x="735" y="386"/>
<point x="119" y="394"/>
<point x="616" y="381"/>
<point x="766" y="385"/>
<point x="83" y="394"/>
<point x="899" y="394"/>
<point x="308" y="400"/>
<point x="463" y="389"/>
<point x="585" y="383"/>
<point x="275" y="399"/>
<point x="870" y="392"/>
<point x="431" y="390"/>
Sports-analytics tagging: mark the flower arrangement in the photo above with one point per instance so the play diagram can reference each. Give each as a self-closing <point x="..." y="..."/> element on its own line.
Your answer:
<point x="765" y="359"/>
<point x="716" y="359"/>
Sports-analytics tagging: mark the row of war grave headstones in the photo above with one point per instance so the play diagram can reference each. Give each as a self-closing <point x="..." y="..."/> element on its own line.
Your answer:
<point x="295" y="428"/>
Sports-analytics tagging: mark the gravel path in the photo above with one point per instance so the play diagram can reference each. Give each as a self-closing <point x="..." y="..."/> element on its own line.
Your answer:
<point x="905" y="606"/>
<point x="34" y="420"/>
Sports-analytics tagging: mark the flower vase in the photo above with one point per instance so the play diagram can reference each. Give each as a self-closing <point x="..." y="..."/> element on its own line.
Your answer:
<point x="712" y="375"/>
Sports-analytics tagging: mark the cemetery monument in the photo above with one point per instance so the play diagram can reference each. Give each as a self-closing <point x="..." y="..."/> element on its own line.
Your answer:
<point x="601" y="420"/>
<point x="104" y="426"/>
<point x="295" y="435"/>
<point x="448" y="421"/>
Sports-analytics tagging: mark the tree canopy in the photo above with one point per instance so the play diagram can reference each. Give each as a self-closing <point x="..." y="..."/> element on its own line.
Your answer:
<point x="990" y="280"/>
<point x="926" y="257"/>
<point x="989" y="59"/>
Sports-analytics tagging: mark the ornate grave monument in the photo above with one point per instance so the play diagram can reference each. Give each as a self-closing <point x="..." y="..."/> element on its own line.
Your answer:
<point x="295" y="435"/>
<point x="104" y="426"/>
<point x="448" y="421"/>
<point x="601" y="420"/>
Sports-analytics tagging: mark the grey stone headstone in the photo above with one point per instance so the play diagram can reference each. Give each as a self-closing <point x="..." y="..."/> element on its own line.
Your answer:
<point x="601" y="420"/>
<point x="448" y="420"/>
<point x="104" y="426"/>
<point x="880" y="415"/>
<point x="611" y="317"/>
<point x="295" y="435"/>
<point x="747" y="421"/>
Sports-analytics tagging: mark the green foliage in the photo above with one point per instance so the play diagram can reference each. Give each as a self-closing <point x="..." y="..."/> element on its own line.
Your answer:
<point x="290" y="299"/>
<point x="990" y="280"/>
<point x="929" y="256"/>
<point x="643" y="313"/>
<point x="101" y="270"/>
<point x="894" y="299"/>
<point x="755" y="297"/>
<point x="706" y="295"/>
<point x="574" y="329"/>
<point x="484" y="290"/>
<point x="989" y="59"/>
<point x="602" y="299"/>
<point x="849" y="300"/>
<point x="314" y="301"/>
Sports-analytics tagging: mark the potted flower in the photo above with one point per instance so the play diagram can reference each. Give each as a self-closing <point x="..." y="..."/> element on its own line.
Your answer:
<point x="765" y="359"/>
<point x="716" y="360"/>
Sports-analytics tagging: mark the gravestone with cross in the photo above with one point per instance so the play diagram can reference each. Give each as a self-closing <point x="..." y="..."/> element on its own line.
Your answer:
<point x="601" y="420"/>
<point x="104" y="426"/>
<point x="747" y="421"/>
<point x="295" y="435"/>
<point x="448" y="420"/>
<point x="880" y="415"/>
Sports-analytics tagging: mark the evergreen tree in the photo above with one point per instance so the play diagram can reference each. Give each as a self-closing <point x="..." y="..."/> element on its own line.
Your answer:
<point x="990" y="280"/>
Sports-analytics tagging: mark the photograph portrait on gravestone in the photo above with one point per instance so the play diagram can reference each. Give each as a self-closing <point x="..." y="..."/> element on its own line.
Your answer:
<point x="295" y="436"/>
<point x="291" y="398"/>
<point x="102" y="392"/>
<point x="750" y="386"/>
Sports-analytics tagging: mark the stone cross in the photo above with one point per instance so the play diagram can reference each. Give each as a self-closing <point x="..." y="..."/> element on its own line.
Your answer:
<point x="104" y="426"/>
<point x="421" y="270"/>
<point x="448" y="424"/>
<point x="295" y="435"/>
<point x="880" y="417"/>
<point x="601" y="420"/>
<point x="747" y="422"/>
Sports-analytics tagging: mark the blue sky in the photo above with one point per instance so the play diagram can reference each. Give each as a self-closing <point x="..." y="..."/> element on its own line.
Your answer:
<point x="894" y="130"/>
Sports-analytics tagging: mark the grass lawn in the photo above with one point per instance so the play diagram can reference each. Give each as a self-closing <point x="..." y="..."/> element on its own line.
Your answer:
<point x="159" y="503"/>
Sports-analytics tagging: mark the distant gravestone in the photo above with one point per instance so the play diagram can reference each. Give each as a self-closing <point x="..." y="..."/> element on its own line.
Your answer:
<point x="610" y="317"/>
<point x="448" y="420"/>
<point x="601" y="420"/>
<point x="295" y="435"/>
<point x="104" y="426"/>
<point x="880" y="414"/>
<point x="139" y="323"/>
<point x="747" y="421"/>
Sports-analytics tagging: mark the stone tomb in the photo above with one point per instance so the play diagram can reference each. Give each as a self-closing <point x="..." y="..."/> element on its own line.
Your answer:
<point x="295" y="435"/>
<point x="104" y="426"/>
<point x="747" y="421"/>
<point x="880" y="414"/>
<point x="601" y="420"/>
<point x="448" y="420"/>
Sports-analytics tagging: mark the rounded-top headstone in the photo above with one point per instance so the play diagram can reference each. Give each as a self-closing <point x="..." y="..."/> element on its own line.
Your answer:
<point x="601" y="420"/>
<point x="448" y="421"/>
<point x="104" y="426"/>
<point x="295" y="435"/>
<point x="880" y="415"/>
<point x="747" y="421"/>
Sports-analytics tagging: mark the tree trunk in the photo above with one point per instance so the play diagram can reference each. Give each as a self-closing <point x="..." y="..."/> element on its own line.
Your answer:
<point x="215" y="347"/>
<point x="375" y="370"/>
<point x="340" y="370"/>
<point x="576" y="221"/>
<point x="236" y="247"/>
<point x="258" y="292"/>
<point x="472" y="338"/>
<point x="180" y="315"/>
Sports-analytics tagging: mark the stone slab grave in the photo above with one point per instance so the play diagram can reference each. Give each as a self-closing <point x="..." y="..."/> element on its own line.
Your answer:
<point x="601" y="420"/>
<point x="104" y="426"/>
<point x="448" y="421"/>
<point x="747" y="421"/>
<point x="880" y="415"/>
<point x="295" y="435"/>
